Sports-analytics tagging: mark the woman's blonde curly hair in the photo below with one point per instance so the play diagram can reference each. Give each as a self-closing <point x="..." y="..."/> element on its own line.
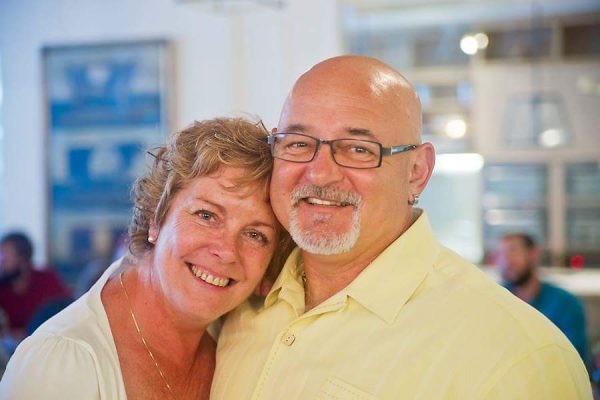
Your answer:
<point x="200" y="150"/>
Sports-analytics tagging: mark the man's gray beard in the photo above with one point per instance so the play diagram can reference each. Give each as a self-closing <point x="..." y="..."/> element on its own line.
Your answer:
<point x="327" y="243"/>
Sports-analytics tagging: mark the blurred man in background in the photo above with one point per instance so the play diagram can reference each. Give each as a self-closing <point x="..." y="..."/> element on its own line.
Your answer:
<point x="518" y="258"/>
<point x="25" y="290"/>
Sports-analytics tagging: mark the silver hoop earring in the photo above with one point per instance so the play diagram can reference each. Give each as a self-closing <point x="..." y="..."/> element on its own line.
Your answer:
<point x="414" y="201"/>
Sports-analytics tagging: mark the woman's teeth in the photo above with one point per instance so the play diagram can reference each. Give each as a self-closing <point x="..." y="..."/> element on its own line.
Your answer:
<point x="208" y="278"/>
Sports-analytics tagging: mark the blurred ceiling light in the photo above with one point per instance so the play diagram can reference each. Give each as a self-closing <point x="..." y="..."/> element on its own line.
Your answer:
<point x="468" y="44"/>
<point x="473" y="42"/>
<point x="458" y="163"/>
<point x="482" y="40"/>
<point x="456" y="128"/>
<point x="552" y="138"/>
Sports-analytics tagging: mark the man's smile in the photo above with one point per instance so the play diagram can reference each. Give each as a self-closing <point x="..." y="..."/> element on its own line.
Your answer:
<point x="324" y="202"/>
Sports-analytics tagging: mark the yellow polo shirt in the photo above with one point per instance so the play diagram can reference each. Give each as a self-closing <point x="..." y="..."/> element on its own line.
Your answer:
<point x="418" y="323"/>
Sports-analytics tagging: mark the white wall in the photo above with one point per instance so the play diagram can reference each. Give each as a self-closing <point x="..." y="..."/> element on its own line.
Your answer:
<point x="223" y="63"/>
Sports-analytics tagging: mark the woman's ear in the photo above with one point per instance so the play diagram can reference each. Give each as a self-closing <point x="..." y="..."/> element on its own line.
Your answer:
<point x="153" y="233"/>
<point x="422" y="168"/>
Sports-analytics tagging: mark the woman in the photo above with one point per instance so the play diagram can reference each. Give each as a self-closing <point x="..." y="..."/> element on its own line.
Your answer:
<point x="202" y="236"/>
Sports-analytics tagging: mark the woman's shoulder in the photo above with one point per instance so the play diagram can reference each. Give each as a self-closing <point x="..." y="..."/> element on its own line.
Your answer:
<point x="51" y="366"/>
<point x="65" y="366"/>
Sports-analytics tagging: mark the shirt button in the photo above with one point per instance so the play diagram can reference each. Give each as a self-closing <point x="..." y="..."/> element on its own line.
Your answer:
<point x="288" y="339"/>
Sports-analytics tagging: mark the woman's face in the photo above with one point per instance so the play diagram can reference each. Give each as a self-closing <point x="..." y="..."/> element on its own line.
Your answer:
<point x="213" y="246"/>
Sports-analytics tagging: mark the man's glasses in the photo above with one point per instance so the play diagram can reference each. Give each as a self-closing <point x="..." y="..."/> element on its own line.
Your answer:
<point x="350" y="153"/>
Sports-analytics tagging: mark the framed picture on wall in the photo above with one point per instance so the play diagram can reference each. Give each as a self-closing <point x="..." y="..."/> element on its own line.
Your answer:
<point x="106" y="104"/>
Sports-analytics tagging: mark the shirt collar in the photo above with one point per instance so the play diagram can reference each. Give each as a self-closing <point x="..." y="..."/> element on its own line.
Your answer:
<point x="392" y="278"/>
<point x="289" y="286"/>
<point x="384" y="286"/>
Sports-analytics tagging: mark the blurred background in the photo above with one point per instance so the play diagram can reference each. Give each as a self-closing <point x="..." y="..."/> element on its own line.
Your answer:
<point x="510" y="92"/>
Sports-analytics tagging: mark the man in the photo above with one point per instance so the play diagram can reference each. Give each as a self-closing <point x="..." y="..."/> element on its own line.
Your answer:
<point x="23" y="289"/>
<point x="371" y="306"/>
<point x="518" y="258"/>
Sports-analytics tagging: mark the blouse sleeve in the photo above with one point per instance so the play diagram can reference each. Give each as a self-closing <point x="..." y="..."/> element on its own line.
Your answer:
<point x="50" y="367"/>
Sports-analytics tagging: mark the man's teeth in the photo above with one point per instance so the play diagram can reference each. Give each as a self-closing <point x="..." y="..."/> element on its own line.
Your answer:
<point x="208" y="278"/>
<point x="321" y="202"/>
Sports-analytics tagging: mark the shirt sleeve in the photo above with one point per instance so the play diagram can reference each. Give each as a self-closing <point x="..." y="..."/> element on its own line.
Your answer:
<point x="551" y="372"/>
<point x="50" y="367"/>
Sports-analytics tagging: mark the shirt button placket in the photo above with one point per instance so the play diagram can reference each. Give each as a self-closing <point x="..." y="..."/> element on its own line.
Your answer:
<point x="288" y="339"/>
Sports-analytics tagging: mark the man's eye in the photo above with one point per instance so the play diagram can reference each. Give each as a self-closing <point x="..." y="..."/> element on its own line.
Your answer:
<point x="361" y="150"/>
<point x="297" y="145"/>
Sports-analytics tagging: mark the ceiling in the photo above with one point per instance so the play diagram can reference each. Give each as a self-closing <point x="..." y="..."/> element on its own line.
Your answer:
<point x="380" y="15"/>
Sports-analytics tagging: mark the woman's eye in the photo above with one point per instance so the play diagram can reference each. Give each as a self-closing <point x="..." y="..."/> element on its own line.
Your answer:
<point x="258" y="237"/>
<point x="206" y="215"/>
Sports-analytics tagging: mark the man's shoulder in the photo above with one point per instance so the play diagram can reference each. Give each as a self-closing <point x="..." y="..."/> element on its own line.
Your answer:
<point x="474" y="296"/>
<point x="560" y="294"/>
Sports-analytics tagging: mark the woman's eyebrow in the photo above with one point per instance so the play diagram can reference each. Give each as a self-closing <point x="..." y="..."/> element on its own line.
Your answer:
<point x="261" y="223"/>
<point x="218" y="206"/>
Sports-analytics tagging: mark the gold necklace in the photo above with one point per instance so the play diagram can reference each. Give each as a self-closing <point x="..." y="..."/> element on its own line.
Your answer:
<point x="139" y="331"/>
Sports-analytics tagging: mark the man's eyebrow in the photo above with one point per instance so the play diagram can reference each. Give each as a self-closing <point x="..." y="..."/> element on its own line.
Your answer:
<point x="361" y="132"/>
<point x="295" y="128"/>
<point x="352" y="131"/>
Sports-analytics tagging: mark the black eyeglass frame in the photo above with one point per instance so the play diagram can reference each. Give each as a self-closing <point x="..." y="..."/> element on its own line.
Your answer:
<point x="383" y="151"/>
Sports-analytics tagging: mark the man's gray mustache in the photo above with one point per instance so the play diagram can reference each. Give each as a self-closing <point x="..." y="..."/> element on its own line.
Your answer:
<point x="324" y="192"/>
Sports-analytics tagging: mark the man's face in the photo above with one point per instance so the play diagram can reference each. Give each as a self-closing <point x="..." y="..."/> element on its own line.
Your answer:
<point x="515" y="260"/>
<point x="10" y="261"/>
<point x="330" y="209"/>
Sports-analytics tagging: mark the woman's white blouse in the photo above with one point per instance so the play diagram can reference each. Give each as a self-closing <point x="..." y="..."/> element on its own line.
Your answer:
<point x="71" y="356"/>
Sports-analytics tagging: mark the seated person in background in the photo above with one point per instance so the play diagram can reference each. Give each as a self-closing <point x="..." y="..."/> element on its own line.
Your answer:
<point x="518" y="258"/>
<point x="24" y="289"/>
<point x="6" y="347"/>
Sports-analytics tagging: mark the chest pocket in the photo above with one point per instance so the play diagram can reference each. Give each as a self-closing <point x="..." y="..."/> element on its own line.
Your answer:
<point x="335" y="389"/>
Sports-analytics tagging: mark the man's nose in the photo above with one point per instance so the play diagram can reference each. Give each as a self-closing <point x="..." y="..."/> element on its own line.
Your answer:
<point x="323" y="169"/>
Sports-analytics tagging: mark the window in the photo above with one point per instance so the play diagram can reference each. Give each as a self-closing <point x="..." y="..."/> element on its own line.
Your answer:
<point x="514" y="200"/>
<point x="582" y="182"/>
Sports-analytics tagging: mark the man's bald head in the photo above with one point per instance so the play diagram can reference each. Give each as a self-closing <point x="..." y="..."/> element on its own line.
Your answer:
<point x="368" y="80"/>
<point x="343" y="103"/>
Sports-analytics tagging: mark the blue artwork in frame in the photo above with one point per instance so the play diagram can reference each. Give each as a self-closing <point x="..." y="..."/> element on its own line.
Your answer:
<point x="106" y="104"/>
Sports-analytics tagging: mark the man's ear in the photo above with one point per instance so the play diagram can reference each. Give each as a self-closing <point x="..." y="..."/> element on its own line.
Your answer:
<point x="422" y="168"/>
